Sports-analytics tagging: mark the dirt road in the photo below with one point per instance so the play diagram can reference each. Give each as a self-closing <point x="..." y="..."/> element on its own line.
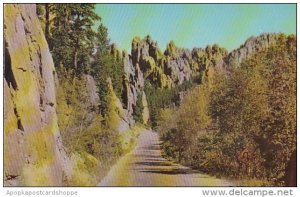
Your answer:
<point x="144" y="166"/>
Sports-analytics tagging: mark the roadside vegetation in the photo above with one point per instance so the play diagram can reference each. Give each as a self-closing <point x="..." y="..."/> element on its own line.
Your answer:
<point x="240" y="124"/>
<point x="79" y="51"/>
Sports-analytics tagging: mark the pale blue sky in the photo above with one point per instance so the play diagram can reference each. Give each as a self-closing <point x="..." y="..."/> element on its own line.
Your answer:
<point x="195" y="25"/>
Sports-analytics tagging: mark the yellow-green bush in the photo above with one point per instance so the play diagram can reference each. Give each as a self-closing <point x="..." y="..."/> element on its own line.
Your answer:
<point x="85" y="169"/>
<point x="41" y="146"/>
<point x="128" y="138"/>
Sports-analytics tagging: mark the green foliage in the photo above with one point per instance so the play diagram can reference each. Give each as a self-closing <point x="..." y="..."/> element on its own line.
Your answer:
<point x="243" y="123"/>
<point x="83" y="131"/>
<point x="72" y="42"/>
<point x="102" y="39"/>
<point x="171" y="49"/>
<point x="104" y="67"/>
<point x="138" y="109"/>
<point x="238" y="104"/>
<point x="181" y="130"/>
<point x="107" y="64"/>
<point x="85" y="169"/>
<point x="72" y="36"/>
<point x="161" y="98"/>
<point x="278" y="126"/>
<point x="128" y="138"/>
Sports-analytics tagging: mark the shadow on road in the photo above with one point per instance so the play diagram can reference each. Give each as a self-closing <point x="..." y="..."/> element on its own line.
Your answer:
<point x="145" y="166"/>
<point x="174" y="171"/>
<point x="150" y="161"/>
<point x="153" y="163"/>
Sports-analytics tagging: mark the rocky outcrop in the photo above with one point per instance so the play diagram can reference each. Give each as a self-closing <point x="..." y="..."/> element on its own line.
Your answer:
<point x="146" y="113"/>
<point x="252" y="45"/>
<point x="118" y="118"/>
<point x="176" y="65"/>
<point x="92" y="91"/>
<point x="133" y="82"/>
<point x="32" y="144"/>
<point x="163" y="70"/>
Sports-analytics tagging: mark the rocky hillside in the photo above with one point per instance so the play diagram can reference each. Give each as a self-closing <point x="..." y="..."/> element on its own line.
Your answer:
<point x="32" y="143"/>
<point x="164" y="70"/>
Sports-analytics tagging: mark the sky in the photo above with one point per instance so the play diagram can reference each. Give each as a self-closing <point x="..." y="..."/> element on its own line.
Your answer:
<point x="195" y="25"/>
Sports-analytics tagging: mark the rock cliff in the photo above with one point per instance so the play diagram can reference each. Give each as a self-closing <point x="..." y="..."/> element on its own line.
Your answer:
<point x="163" y="70"/>
<point x="32" y="144"/>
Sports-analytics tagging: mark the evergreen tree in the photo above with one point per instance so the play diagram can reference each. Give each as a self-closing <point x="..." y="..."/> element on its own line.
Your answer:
<point x="72" y="37"/>
<point x="106" y="65"/>
<point x="138" y="109"/>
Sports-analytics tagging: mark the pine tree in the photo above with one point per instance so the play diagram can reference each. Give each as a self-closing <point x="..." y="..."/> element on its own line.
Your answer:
<point x="106" y="65"/>
<point x="138" y="109"/>
<point x="72" y="36"/>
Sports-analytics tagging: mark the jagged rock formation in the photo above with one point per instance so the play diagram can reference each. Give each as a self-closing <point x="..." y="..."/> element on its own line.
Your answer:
<point x="133" y="82"/>
<point x="252" y="45"/>
<point x="32" y="145"/>
<point x="163" y="70"/>
<point x="176" y="65"/>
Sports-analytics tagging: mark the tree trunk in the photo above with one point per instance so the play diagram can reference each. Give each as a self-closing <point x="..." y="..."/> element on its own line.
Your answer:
<point x="76" y="46"/>
<point x="75" y="56"/>
<point x="290" y="177"/>
<point x="180" y="155"/>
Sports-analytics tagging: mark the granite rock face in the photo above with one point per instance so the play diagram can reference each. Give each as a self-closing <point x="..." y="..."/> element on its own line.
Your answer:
<point x="32" y="143"/>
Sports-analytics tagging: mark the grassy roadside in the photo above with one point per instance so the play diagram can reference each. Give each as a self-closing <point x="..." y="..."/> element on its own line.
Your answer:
<point x="128" y="138"/>
<point x="128" y="141"/>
